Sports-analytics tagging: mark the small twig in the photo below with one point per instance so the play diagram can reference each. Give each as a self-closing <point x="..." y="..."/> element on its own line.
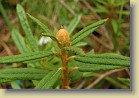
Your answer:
<point x="81" y="84"/>
<point x="9" y="52"/>
<point x="67" y="7"/>
<point x="65" y="80"/>
<point x="101" y="77"/>
<point x="127" y="70"/>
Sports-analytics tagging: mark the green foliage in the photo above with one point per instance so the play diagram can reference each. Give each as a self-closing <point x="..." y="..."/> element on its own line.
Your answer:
<point x="75" y="76"/>
<point x="73" y="24"/>
<point x="76" y="50"/>
<point x="78" y="64"/>
<point x="86" y="31"/>
<point x="26" y="27"/>
<point x="3" y="12"/>
<point x="49" y="80"/>
<point x="12" y="74"/>
<point x="43" y="27"/>
<point x="19" y="41"/>
<point x="22" y="76"/>
<point x="24" y="57"/>
<point x="4" y="80"/>
<point x="104" y="61"/>
<point x="94" y="67"/>
<point x="14" y="85"/>
<point x="22" y="71"/>
<point x="109" y="7"/>
<point x="125" y="81"/>
<point x="108" y="56"/>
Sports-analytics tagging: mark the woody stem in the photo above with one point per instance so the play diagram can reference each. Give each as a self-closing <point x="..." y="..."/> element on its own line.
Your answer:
<point x="65" y="78"/>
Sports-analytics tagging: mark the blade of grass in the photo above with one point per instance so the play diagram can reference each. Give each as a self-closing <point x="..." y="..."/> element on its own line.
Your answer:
<point x="4" y="14"/>
<point x="73" y="24"/>
<point x="125" y="81"/>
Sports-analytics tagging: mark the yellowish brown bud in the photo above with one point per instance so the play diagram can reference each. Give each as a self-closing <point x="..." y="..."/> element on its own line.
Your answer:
<point x="63" y="37"/>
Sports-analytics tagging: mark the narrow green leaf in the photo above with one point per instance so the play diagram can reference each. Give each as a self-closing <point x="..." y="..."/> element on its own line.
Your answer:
<point x="104" y="61"/>
<point x="5" y="16"/>
<point x="11" y="74"/>
<point x="20" y="44"/>
<point x="75" y="75"/>
<point x="22" y="71"/>
<point x="86" y="31"/>
<point x="49" y="80"/>
<point x="108" y="56"/>
<point x="73" y="24"/>
<point x="19" y="41"/>
<point x="90" y="53"/>
<point x="102" y="8"/>
<point x="102" y="2"/>
<point x="115" y="25"/>
<point x="125" y="81"/>
<point x="24" y="57"/>
<point x="4" y="80"/>
<point x="98" y="67"/>
<point x="44" y="28"/>
<point x="87" y="28"/>
<point x="80" y="44"/>
<point x="83" y="35"/>
<point x="123" y="12"/>
<point x="15" y="85"/>
<point x="26" y="27"/>
<point x="76" y="50"/>
<point x="51" y="36"/>
<point x="22" y="76"/>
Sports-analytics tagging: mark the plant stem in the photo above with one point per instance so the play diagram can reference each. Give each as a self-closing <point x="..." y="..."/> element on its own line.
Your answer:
<point x="65" y="78"/>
